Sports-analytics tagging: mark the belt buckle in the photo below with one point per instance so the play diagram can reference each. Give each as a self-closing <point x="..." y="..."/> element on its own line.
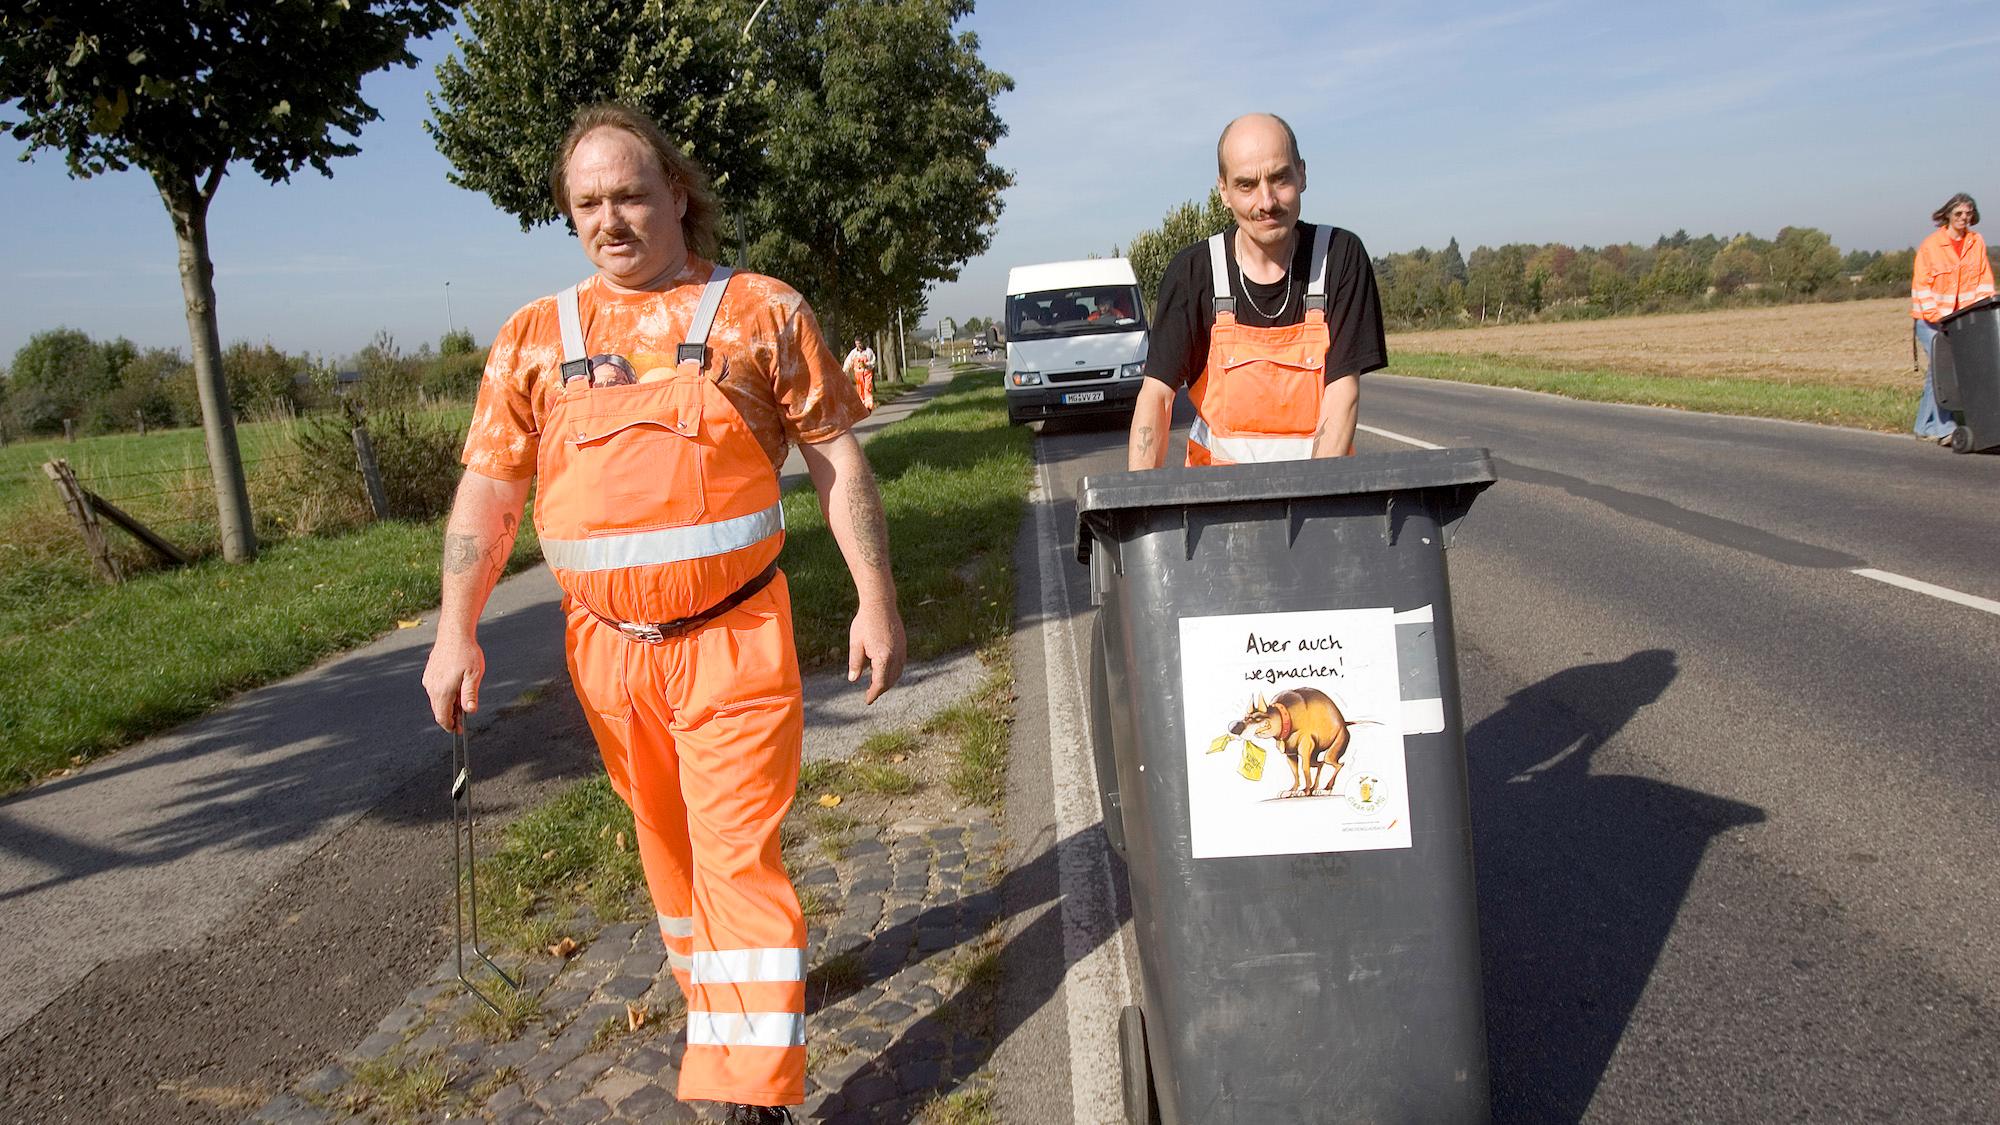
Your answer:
<point x="642" y="631"/>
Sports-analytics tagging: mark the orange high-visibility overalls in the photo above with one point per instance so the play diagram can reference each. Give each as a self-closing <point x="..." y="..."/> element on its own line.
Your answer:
<point x="657" y="507"/>
<point x="1257" y="397"/>
<point x="864" y="380"/>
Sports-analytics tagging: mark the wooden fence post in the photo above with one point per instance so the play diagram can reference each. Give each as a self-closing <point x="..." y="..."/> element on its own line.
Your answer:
<point x="371" y="474"/>
<point x="85" y="516"/>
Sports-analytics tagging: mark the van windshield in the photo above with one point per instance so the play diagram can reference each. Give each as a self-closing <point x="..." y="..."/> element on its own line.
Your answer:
<point x="1074" y="312"/>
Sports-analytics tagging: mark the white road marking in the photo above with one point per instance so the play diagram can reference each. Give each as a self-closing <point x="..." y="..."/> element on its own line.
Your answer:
<point x="1944" y="593"/>
<point x="1394" y="436"/>
<point x="1095" y="980"/>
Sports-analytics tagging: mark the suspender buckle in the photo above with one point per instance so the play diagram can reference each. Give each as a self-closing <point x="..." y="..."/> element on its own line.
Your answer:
<point x="642" y="631"/>
<point x="696" y="354"/>
<point x="1225" y="305"/>
<point x="1316" y="301"/>
<point x="575" y="369"/>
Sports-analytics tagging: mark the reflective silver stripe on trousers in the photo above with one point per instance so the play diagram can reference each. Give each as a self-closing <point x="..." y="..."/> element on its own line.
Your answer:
<point x="666" y="545"/>
<point x="746" y="1029"/>
<point x="676" y="927"/>
<point x="1249" y="450"/>
<point x="748" y="966"/>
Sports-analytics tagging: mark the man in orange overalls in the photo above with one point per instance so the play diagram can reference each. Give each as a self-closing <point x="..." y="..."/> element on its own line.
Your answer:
<point x="653" y="403"/>
<point x="860" y="363"/>
<point x="1270" y="325"/>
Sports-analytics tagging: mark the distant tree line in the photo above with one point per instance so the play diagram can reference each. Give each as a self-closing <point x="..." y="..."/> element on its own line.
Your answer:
<point x="1554" y="281"/>
<point x="109" y="386"/>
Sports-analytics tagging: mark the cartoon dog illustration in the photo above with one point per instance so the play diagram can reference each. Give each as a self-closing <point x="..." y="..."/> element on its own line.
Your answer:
<point x="1310" y="728"/>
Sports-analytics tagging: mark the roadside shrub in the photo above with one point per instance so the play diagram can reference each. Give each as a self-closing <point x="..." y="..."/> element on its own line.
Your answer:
<point x="319" y="489"/>
<point x="453" y="375"/>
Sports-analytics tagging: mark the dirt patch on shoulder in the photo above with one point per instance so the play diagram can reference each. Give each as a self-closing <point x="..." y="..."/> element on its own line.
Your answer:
<point x="207" y="1034"/>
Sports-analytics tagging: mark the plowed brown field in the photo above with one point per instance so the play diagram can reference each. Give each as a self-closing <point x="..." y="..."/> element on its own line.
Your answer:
<point x="1852" y="343"/>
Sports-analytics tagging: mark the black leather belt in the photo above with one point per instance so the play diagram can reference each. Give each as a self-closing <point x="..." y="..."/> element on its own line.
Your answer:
<point x="654" y="632"/>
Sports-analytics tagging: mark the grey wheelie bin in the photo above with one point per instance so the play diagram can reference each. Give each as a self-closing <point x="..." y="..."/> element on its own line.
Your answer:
<point x="1968" y="375"/>
<point x="1286" y="766"/>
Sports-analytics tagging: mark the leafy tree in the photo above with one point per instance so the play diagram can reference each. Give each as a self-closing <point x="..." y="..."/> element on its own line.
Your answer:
<point x="1150" y="251"/>
<point x="1736" y="265"/>
<point x="457" y="342"/>
<point x="1609" y="285"/>
<point x="57" y="374"/>
<point x="1804" y="260"/>
<point x="851" y="135"/>
<point x="185" y="90"/>
<point x="879" y="182"/>
<point x="1675" y="275"/>
<point x="524" y="68"/>
<point x="1890" y="272"/>
<point x="1453" y="262"/>
<point x="143" y="393"/>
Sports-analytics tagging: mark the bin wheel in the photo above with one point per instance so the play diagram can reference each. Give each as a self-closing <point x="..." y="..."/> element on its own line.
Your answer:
<point x="1961" y="439"/>
<point x="1141" y="1107"/>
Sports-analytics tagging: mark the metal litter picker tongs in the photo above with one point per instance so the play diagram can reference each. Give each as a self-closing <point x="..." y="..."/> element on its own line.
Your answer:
<point x="464" y="877"/>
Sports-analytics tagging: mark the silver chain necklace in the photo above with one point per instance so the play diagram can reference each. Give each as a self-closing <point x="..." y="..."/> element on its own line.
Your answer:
<point x="1285" y="280"/>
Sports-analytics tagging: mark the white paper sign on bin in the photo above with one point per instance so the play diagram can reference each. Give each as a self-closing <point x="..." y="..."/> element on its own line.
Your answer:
<point x="1294" y="728"/>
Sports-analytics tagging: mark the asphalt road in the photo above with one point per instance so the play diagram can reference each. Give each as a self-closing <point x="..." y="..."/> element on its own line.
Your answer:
<point x="1732" y="769"/>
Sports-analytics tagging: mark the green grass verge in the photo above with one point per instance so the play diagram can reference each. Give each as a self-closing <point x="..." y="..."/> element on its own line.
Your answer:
<point x="85" y="668"/>
<point x="116" y="465"/>
<point x="1864" y="407"/>
<point x="575" y="852"/>
<point x="954" y="479"/>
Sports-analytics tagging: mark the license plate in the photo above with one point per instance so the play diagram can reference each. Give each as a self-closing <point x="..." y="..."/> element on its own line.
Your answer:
<point x="1077" y="398"/>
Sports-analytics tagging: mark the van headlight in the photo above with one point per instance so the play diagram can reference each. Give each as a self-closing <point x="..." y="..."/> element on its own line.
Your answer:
<point x="1132" y="370"/>
<point x="1026" y="378"/>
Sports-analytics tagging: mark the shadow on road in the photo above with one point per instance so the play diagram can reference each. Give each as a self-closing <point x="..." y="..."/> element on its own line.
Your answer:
<point x="275" y="766"/>
<point x="1580" y="876"/>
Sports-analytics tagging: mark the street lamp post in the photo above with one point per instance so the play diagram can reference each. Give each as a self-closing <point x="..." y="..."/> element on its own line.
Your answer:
<point x="449" y="326"/>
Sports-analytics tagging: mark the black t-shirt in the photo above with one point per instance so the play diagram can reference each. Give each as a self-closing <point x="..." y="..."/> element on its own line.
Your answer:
<point x="1186" y="309"/>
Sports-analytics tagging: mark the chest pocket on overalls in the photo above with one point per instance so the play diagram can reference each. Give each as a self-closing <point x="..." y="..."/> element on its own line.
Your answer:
<point x="633" y="457"/>
<point x="1267" y="389"/>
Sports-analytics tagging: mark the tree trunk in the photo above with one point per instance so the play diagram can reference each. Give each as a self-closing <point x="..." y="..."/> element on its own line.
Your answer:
<point x="188" y="208"/>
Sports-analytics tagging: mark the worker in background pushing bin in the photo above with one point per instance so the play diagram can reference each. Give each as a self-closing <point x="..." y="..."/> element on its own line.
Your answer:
<point x="1274" y="700"/>
<point x="1270" y="326"/>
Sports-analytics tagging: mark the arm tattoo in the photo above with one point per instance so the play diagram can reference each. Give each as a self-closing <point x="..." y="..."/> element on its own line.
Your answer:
<point x="871" y="534"/>
<point x="464" y="552"/>
<point x="1145" y="441"/>
<point x="461" y="553"/>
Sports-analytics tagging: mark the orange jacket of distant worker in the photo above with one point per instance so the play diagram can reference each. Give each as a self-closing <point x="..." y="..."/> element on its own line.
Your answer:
<point x="1946" y="279"/>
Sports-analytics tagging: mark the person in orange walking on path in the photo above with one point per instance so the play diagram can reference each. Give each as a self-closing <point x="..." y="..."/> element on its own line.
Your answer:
<point x="1270" y="326"/>
<point x="1952" y="271"/>
<point x="653" y="403"/>
<point x="860" y="365"/>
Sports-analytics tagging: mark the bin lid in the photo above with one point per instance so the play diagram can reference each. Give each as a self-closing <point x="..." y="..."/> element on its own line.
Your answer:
<point x="1987" y="304"/>
<point x="1102" y="494"/>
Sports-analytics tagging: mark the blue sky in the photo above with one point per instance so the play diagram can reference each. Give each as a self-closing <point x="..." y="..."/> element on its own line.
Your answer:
<point x="1584" y="122"/>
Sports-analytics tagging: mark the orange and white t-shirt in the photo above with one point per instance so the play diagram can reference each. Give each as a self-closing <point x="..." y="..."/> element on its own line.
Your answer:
<point x="780" y="375"/>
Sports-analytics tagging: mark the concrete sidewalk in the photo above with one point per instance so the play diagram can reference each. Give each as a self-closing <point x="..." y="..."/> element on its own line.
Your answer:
<point x="157" y="846"/>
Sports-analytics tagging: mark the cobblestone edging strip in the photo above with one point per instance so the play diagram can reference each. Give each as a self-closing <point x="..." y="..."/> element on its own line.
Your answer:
<point x="900" y="936"/>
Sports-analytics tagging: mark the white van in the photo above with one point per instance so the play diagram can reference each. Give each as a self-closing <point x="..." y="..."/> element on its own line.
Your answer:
<point x="1076" y="339"/>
